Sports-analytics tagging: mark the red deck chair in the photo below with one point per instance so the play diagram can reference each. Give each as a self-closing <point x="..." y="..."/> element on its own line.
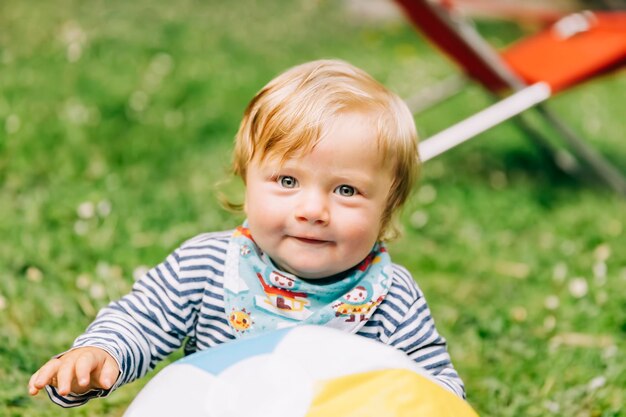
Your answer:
<point x="572" y="50"/>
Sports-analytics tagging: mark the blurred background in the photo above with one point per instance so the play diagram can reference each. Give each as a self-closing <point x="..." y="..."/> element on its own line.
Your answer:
<point x="116" y="125"/>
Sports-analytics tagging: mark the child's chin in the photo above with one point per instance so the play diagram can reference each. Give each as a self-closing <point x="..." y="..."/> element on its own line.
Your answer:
<point x="311" y="266"/>
<point x="310" y="272"/>
<point x="318" y="274"/>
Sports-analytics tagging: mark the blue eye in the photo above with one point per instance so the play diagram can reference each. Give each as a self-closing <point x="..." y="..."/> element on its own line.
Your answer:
<point x="286" y="181"/>
<point x="345" y="190"/>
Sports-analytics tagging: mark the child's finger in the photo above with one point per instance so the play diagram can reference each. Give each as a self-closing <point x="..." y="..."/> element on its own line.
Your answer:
<point x="85" y="364"/>
<point x="109" y="373"/>
<point x="65" y="376"/>
<point x="45" y="374"/>
<point x="32" y="389"/>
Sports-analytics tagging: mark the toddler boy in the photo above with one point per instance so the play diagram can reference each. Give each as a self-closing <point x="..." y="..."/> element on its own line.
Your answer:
<point x="328" y="156"/>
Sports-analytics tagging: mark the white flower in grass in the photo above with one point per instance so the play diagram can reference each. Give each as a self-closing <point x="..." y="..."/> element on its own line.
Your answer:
<point x="519" y="314"/>
<point x="596" y="383"/>
<point x="83" y="281"/>
<point x="57" y="308"/>
<point x="578" y="287"/>
<point x="551" y="302"/>
<point x="12" y="124"/>
<point x="426" y="194"/>
<point x="74" y="51"/>
<point x="97" y="291"/>
<point x="517" y="270"/>
<point x="151" y="82"/>
<point x="72" y="32"/>
<point x="418" y="219"/>
<point x="549" y="323"/>
<point x="86" y="210"/>
<point x="75" y="112"/>
<point x="140" y="271"/>
<point x="161" y="64"/>
<point x="103" y="269"/>
<point x="610" y="352"/>
<point x="552" y="406"/>
<point x="599" y="273"/>
<point x="602" y="252"/>
<point x="138" y="101"/>
<point x="103" y="208"/>
<point x="599" y="269"/>
<point x="559" y="272"/>
<point x="159" y="67"/>
<point x="74" y="38"/>
<point x="601" y="298"/>
<point x="81" y="227"/>
<point x="34" y="274"/>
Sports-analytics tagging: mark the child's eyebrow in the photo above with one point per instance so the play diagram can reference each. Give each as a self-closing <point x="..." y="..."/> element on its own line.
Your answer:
<point x="363" y="184"/>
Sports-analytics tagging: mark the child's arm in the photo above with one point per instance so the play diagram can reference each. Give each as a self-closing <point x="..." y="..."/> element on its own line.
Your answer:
<point x="408" y="325"/>
<point x="137" y="331"/>
<point x="417" y="336"/>
<point x="78" y="371"/>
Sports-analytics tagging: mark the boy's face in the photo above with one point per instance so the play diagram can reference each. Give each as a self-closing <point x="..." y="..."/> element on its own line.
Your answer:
<point x="320" y="214"/>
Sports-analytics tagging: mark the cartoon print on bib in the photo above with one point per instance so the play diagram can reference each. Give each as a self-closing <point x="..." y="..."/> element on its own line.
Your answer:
<point x="356" y="304"/>
<point x="245" y="250"/>
<point x="279" y="297"/>
<point x="240" y="320"/>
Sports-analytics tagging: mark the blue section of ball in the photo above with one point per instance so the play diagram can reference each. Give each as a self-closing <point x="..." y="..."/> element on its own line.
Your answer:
<point x="219" y="358"/>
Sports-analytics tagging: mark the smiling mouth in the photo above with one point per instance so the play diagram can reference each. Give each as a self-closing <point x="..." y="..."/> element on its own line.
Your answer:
<point x="310" y="241"/>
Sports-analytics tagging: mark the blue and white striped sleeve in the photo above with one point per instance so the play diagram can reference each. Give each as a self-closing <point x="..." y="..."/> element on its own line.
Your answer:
<point x="141" y="328"/>
<point x="415" y="332"/>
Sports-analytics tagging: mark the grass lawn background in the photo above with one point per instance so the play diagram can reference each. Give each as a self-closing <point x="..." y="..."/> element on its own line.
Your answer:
<point x="116" y="123"/>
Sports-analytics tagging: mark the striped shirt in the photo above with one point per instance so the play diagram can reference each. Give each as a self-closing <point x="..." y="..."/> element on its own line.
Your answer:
<point x="181" y="301"/>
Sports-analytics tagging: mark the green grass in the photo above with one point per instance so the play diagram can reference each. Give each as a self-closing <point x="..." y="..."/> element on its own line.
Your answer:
<point x="116" y="122"/>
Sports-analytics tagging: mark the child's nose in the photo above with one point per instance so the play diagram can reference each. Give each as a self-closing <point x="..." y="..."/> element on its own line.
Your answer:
<point x="313" y="208"/>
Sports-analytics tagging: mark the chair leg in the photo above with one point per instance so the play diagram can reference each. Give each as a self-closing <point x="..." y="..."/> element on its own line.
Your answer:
<point x="436" y="94"/>
<point x="562" y="158"/>
<point x="603" y="169"/>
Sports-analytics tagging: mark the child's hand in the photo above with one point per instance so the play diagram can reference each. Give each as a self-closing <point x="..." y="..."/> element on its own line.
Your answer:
<point x="78" y="371"/>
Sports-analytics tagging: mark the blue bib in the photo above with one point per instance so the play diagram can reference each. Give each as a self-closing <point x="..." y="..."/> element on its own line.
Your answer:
<point x="259" y="297"/>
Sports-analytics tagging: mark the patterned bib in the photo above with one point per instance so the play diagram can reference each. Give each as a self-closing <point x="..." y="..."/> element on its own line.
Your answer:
<point x="259" y="297"/>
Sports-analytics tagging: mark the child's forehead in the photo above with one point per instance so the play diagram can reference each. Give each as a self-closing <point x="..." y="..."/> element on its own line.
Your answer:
<point x="330" y="131"/>
<point x="352" y="134"/>
<point x="327" y="154"/>
<point x="327" y="143"/>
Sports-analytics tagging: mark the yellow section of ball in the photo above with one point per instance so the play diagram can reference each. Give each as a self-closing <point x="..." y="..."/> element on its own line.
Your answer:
<point x="389" y="393"/>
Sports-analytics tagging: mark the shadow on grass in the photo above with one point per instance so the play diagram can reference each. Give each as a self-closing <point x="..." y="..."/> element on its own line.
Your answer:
<point x="518" y="164"/>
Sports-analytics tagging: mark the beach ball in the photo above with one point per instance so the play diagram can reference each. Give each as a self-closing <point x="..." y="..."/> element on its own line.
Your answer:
<point x="304" y="371"/>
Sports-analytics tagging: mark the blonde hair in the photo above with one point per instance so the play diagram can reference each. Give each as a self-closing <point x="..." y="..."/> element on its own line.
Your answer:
<point x="287" y="117"/>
